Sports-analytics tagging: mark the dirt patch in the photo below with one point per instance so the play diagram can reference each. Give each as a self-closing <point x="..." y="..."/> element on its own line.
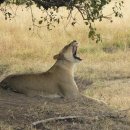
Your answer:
<point x="20" y="112"/>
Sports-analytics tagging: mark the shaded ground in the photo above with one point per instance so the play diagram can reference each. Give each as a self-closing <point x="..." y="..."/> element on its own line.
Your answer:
<point x="20" y="112"/>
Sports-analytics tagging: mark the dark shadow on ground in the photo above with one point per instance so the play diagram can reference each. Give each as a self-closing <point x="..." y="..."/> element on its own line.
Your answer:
<point x="20" y="112"/>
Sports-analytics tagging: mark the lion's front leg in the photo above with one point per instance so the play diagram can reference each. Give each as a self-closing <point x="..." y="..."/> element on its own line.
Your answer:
<point x="69" y="90"/>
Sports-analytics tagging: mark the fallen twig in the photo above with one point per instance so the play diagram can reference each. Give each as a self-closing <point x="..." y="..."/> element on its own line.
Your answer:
<point x="55" y="119"/>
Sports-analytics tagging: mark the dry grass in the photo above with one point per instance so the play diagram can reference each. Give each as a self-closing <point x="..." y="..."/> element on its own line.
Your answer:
<point x="21" y="51"/>
<point x="4" y="126"/>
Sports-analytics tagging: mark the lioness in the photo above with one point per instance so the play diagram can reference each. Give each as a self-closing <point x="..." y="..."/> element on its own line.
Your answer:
<point x="58" y="81"/>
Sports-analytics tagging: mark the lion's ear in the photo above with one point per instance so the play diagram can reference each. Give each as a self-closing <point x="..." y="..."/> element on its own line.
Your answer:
<point x="56" y="57"/>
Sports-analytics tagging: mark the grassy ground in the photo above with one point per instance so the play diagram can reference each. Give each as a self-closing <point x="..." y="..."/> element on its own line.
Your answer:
<point x="106" y="64"/>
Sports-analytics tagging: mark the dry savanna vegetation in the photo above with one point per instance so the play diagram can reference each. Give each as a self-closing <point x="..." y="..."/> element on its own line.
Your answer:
<point x="106" y="65"/>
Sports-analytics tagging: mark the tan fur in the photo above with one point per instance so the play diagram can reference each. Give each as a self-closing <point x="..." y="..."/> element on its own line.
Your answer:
<point x="58" y="81"/>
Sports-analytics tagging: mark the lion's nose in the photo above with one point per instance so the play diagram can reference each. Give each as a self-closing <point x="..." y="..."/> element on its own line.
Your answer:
<point x="74" y="41"/>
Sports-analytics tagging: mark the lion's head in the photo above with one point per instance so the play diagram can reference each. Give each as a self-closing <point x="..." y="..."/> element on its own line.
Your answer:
<point x="69" y="53"/>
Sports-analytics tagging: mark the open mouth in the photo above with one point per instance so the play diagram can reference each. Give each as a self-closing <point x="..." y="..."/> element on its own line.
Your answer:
<point x="74" y="51"/>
